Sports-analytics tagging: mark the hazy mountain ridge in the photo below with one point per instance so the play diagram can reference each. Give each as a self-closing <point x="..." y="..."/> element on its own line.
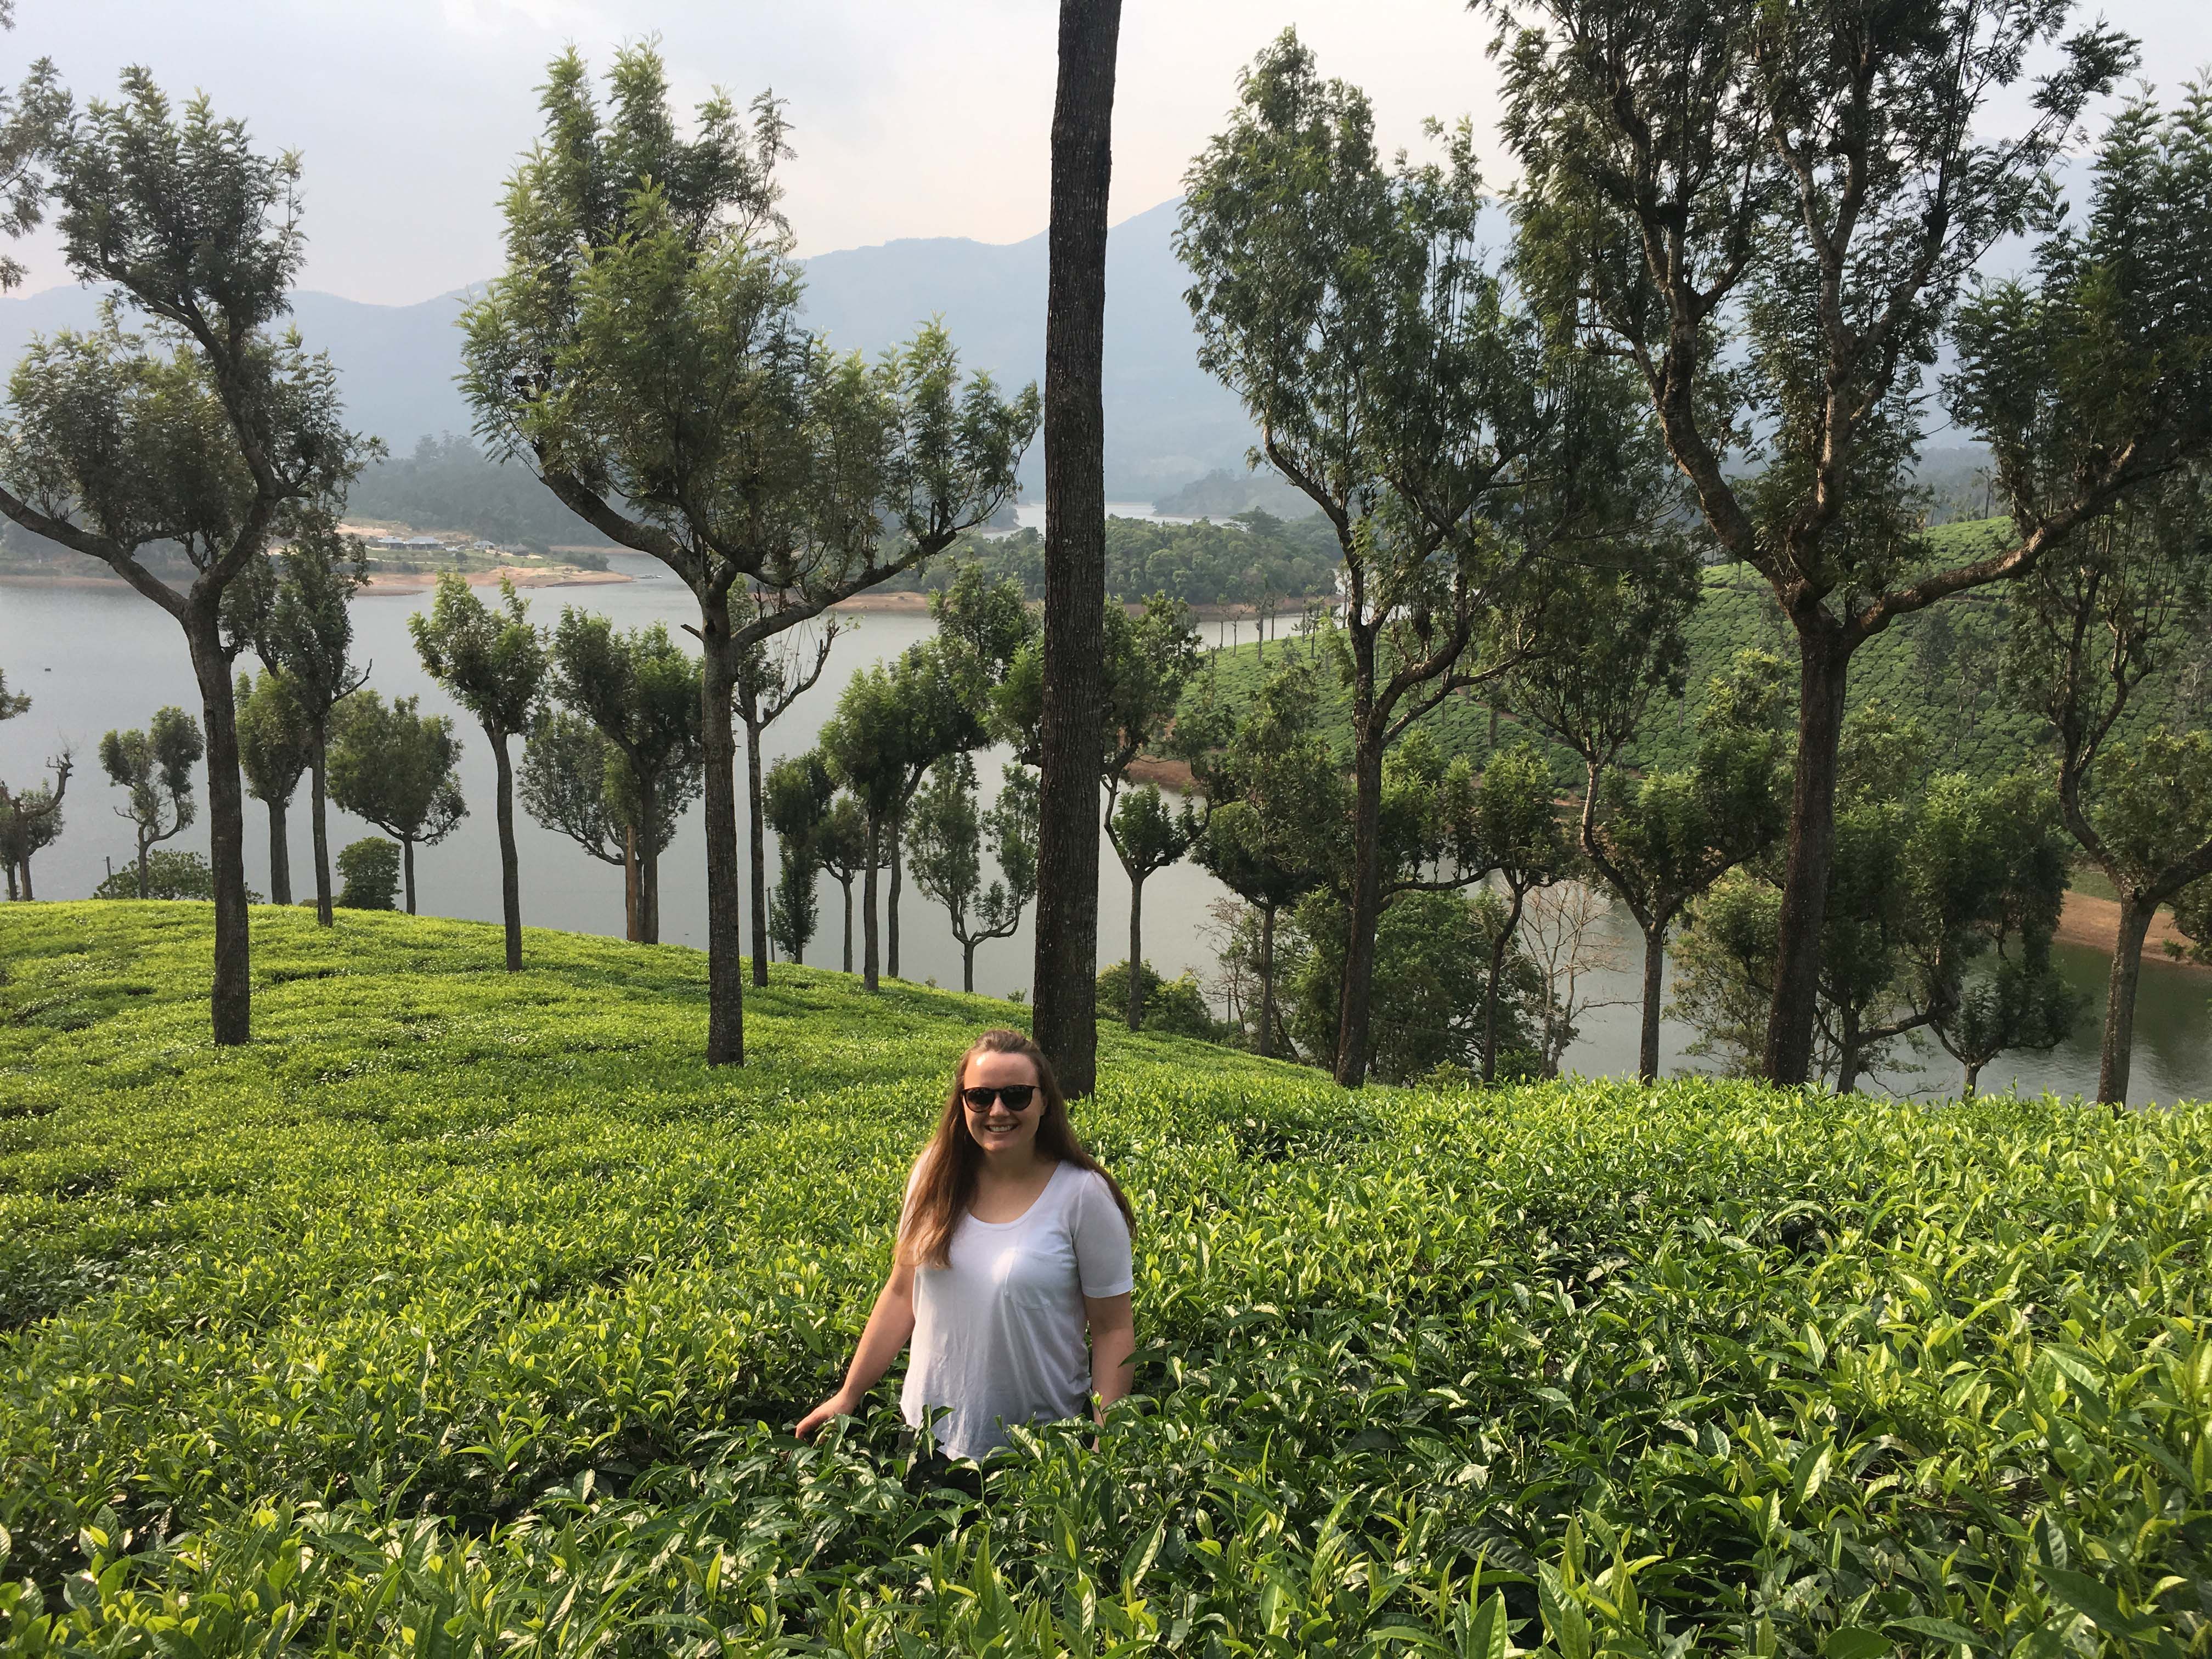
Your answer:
<point x="1168" y="424"/>
<point x="1167" y="421"/>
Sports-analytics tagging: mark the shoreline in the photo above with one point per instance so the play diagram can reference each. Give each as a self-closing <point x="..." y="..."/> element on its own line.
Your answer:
<point x="421" y="582"/>
<point x="2086" y="919"/>
<point x="412" y="581"/>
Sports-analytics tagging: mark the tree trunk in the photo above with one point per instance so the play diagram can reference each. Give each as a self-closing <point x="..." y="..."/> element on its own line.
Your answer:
<point x="726" y="977"/>
<point x="759" y="852"/>
<point x="1065" y="972"/>
<point x="868" y="941"/>
<point x="1847" y="1056"/>
<point x="847" y="883"/>
<point x="407" y="865"/>
<point x="648" y="862"/>
<point x="145" y="888"/>
<point x="630" y="890"/>
<point x="1972" y="1080"/>
<point x="1356" y="995"/>
<point x="318" y="813"/>
<point x="1655" y="979"/>
<point x="280" y="854"/>
<point x="1267" y="981"/>
<point x="231" y="1004"/>
<point x="2115" y="1056"/>
<point x="1823" y="669"/>
<point x="891" y="901"/>
<point x="1136" y="999"/>
<point x="1499" y="947"/>
<point x="967" y="966"/>
<point x="510" y="876"/>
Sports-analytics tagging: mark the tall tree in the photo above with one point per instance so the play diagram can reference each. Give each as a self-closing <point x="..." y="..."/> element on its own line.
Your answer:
<point x="494" y="662"/>
<point x="1147" y="837"/>
<point x="1772" y="213"/>
<point x="571" y="780"/>
<point x="393" y="767"/>
<point x="1073" y="682"/>
<point x="867" y="746"/>
<point x="795" y="907"/>
<point x="155" y="766"/>
<point x="922" y="708"/>
<point x="1348" y="304"/>
<point x="641" y="691"/>
<point x="1150" y="658"/>
<point x="947" y="838"/>
<point x="296" y="609"/>
<point x="2099" y="618"/>
<point x="30" y="819"/>
<point x="272" y="753"/>
<point x="210" y="432"/>
<point x="796" y="797"/>
<point x="1517" y="827"/>
<point x="840" y="848"/>
<point x="2065" y="372"/>
<point x="644" y="353"/>
<point x="771" y="679"/>
<point x="1274" y="797"/>
<point x="1662" y="839"/>
<point x="1934" y="876"/>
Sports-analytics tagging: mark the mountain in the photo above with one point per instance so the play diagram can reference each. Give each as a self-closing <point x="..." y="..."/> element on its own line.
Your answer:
<point x="398" y="361"/>
<point x="1167" y="421"/>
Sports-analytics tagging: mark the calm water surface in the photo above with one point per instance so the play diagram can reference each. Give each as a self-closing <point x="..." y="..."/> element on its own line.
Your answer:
<point x="97" y="657"/>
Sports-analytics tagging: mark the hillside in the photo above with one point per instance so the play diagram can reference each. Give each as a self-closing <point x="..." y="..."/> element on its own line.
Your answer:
<point x="458" y="1314"/>
<point x="1940" y="667"/>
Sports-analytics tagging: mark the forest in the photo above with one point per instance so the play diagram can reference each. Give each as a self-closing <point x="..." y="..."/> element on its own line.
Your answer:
<point x="373" y="1281"/>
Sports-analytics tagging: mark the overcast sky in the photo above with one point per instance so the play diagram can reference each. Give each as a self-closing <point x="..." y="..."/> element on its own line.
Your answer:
<point x="927" y="119"/>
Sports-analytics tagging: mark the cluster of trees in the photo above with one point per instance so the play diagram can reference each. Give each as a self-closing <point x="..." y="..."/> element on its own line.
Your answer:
<point x="1738" y="240"/>
<point x="774" y="476"/>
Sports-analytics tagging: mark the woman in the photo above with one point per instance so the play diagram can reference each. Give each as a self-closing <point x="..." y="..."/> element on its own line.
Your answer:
<point x="1012" y="1241"/>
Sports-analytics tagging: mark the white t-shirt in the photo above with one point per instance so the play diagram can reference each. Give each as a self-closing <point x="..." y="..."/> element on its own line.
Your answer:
<point x="998" y="1334"/>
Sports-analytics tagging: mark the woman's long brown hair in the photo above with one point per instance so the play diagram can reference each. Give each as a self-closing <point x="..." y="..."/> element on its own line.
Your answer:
<point x="945" y="1187"/>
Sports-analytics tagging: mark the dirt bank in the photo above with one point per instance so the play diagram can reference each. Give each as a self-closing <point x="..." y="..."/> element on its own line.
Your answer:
<point x="2096" y="922"/>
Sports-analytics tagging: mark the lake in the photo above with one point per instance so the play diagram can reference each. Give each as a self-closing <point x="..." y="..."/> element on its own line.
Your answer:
<point x="95" y="658"/>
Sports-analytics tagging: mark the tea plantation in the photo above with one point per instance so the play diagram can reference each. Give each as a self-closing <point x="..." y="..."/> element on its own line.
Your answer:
<point x="462" y="1314"/>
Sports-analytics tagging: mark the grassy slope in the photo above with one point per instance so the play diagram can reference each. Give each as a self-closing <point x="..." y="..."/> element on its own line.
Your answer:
<point x="1954" y="694"/>
<point x="449" y="1311"/>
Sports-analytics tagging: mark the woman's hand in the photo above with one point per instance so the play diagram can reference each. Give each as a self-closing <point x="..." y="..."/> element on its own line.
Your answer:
<point x="840" y="1404"/>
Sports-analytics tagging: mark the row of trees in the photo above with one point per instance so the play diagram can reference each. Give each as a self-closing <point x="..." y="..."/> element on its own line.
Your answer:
<point x="1742" y="235"/>
<point x="774" y="476"/>
<point x="1738" y="239"/>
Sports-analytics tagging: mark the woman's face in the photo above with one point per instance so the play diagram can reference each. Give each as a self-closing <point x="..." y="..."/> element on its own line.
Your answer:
<point x="999" y="1129"/>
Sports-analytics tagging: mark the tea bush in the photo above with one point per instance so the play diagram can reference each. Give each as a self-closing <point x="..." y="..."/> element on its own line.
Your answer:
<point x="463" y="1312"/>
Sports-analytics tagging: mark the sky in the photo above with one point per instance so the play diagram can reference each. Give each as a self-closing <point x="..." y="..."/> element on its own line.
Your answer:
<point x="911" y="119"/>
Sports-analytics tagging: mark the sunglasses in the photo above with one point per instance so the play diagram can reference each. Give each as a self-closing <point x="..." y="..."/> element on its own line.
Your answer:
<point x="1017" y="1096"/>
